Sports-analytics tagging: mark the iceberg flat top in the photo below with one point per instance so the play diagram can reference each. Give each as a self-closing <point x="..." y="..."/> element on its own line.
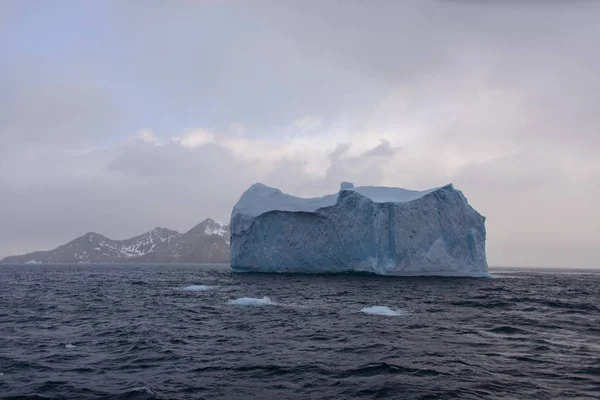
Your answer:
<point x="259" y="198"/>
<point x="382" y="194"/>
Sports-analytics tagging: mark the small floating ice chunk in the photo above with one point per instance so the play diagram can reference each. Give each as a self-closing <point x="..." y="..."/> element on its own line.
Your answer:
<point x="382" y="310"/>
<point x="250" y="301"/>
<point x="69" y="346"/>
<point x="197" y="288"/>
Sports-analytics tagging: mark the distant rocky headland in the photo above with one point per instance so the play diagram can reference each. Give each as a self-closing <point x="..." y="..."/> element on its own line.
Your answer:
<point x="207" y="242"/>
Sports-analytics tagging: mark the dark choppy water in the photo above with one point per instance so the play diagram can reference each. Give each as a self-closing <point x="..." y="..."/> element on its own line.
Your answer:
<point x="132" y="332"/>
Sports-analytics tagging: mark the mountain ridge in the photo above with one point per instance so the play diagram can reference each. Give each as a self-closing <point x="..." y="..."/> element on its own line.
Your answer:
<point x="207" y="242"/>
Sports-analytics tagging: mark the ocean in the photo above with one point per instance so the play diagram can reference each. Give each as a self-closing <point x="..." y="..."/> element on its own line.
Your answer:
<point x="201" y="332"/>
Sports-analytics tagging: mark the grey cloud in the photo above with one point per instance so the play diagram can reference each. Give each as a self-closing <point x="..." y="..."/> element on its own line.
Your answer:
<point x="513" y="174"/>
<point x="288" y="175"/>
<point x="363" y="169"/>
<point x="534" y="210"/>
<point x="43" y="108"/>
<point x="148" y="161"/>
<point x="385" y="149"/>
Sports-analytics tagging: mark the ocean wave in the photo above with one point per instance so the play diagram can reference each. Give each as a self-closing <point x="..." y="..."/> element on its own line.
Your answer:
<point x="382" y="368"/>
<point x="510" y="330"/>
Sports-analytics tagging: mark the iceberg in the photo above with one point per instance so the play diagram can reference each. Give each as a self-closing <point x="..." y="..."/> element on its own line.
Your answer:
<point x="380" y="230"/>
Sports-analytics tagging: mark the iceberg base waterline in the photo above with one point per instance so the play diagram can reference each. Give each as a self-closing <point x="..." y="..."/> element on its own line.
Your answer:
<point x="327" y="271"/>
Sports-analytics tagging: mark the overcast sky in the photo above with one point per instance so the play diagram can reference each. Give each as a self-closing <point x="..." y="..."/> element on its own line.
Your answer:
<point x="117" y="117"/>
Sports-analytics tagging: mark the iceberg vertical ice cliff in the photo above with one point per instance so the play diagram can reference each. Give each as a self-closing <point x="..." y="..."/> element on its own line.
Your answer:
<point x="383" y="230"/>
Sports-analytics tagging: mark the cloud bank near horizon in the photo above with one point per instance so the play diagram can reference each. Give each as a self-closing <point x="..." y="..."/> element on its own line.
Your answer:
<point x="118" y="117"/>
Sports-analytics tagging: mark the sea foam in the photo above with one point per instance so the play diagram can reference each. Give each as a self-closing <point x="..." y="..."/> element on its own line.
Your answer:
<point x="250" y="301"/>
<point x="382" y="310"/>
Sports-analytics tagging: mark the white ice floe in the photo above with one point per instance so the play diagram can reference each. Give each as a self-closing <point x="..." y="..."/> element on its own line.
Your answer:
<point x="69" y="346"/>
<point x="197" y="288"/>
<point x="382" y="310"/>
<point x="250" y="301"/>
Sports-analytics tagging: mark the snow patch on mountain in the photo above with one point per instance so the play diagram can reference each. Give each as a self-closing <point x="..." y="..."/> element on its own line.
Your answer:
<point x="219" y="230"/>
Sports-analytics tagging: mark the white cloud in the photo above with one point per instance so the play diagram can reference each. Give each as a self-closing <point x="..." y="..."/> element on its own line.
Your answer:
<point x="192" y="138"/>
<point x="148" y="136"/>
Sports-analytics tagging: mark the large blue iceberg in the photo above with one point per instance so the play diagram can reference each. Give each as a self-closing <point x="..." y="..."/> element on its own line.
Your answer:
<point x="381" y="230"/>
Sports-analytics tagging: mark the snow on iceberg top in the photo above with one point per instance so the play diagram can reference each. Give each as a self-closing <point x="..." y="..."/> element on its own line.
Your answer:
<point x="260" y="198"/>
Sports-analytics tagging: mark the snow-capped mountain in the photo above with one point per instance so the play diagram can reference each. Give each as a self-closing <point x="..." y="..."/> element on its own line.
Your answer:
<point x="207" y="242"/>
<point x="147" y="242"/>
